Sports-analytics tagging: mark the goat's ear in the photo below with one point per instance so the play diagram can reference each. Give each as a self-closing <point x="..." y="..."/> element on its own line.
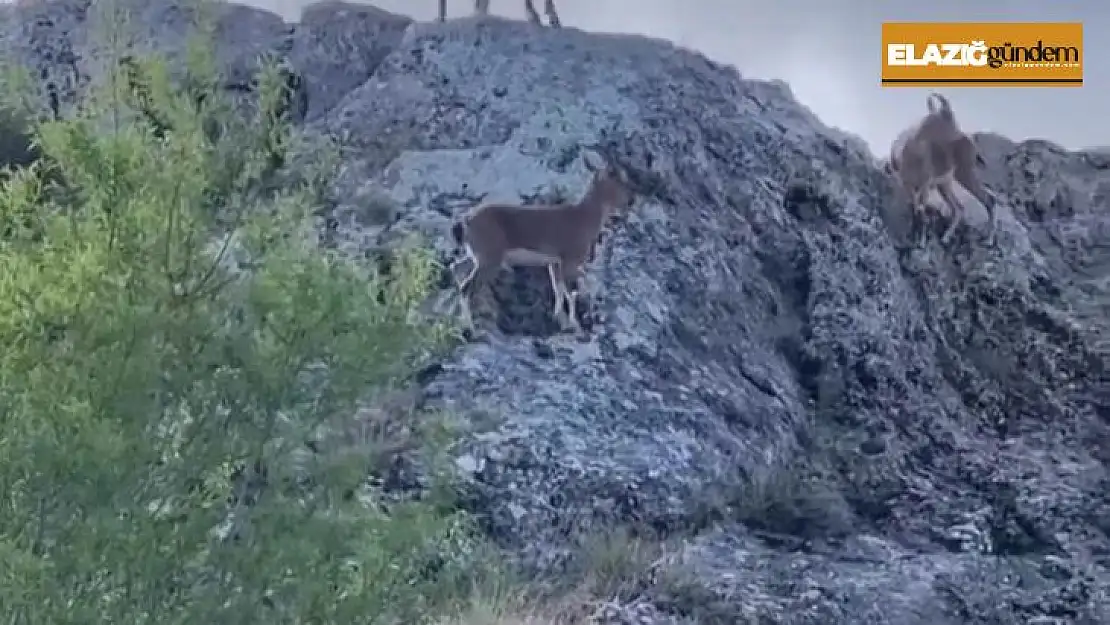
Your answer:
<point x="621" y="174"/>
<point x="599" y="164"/>
<point x="589" y="165"/>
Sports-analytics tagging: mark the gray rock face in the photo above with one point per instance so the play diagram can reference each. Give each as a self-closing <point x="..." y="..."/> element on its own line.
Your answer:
<point x="836" y="431"/>
<point x="338" y="45"/>
<point x="61" y="41"/>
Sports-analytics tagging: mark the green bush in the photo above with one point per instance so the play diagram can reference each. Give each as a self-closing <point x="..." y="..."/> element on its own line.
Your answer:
<point x="171" y="336"/>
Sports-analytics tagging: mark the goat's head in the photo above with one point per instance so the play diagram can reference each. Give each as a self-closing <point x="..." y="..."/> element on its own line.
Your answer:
<point x="610" y="185"/>
<point x="938" y="105"/>
<point x="940" y="123"/>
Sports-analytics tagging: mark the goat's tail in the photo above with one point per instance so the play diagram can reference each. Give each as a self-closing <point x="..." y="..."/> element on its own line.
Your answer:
<point x="938" y="104"/>
<point x="457" y="232"/>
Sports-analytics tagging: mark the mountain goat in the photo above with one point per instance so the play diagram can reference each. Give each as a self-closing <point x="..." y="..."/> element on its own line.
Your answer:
<point x="560" y="237"/>
<point x="481" y="7"/>
<point x="935" y="154"/>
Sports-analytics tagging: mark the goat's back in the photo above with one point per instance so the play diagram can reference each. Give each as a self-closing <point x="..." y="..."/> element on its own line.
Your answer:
<point x="563" y="230"/>
<point x="926" y="149"/>
<point x="939" y="128"/>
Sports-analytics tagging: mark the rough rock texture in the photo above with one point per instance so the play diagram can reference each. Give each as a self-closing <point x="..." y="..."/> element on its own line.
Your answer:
<point x="835" y="430"/>
<point x="59" y="40"/>
<point x="338" y="45"/>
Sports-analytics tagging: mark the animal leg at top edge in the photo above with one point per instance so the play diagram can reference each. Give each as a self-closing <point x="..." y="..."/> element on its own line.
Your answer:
<point x="533" y="16"/>
<point x="552" y="16"/>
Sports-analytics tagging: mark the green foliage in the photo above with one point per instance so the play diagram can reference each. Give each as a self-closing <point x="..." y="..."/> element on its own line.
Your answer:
<point x="172" y="335"/>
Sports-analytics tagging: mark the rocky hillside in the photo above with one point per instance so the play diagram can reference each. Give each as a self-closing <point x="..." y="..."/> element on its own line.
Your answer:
<point x="833" y="429"/>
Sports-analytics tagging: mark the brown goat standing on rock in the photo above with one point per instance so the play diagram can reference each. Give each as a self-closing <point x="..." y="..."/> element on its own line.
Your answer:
<point x="481" y="7"/>
<point x="560" y="237"/>
<point x="935" y="153"/>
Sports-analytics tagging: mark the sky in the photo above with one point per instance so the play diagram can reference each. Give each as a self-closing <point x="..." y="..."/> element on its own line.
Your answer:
<point x="829" y="52"/>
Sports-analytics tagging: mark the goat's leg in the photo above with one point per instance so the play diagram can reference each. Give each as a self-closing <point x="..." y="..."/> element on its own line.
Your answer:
<point x="571" y="282"/>
<point x="468" y="256"/>
<point x="533" y="16"/>
<point x="921" y="228"/>
<point x="466" y="286"/>
<point x="915" y="221"/>
<point x="443" y="10"/>
<point x="552" y="16"/>
<point x="453" y="267"/>
<point x="918" y="207"/>
<point x="915" y="228"/>
<point x="467" y="283"/>
<point x="951" y="229"/>
<point x="481" y="7"/>
<point x="483" y="274"/>
<point x="925" y="209"/>
<point x="558" y="285"/>
<point x="466" y="313"/>
<point x="572" y="310"/>
<point x="556" y="279"/>
<point x="992" y="213"/>
<point x="957" y="211"/>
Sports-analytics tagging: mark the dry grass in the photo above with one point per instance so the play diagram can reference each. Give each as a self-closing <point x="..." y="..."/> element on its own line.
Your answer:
<point x="483" y="614"/>
<point x="615" y="564"/>
<point x="608" y="570"/>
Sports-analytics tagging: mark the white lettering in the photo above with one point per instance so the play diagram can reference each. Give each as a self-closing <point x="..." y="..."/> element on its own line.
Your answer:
<point x="896" y="53"/>
<point x="911" y="59"/>
<point x="976" y="53"/>
<point x="953" y="54"/>
<point x="942" y="54"/>
<point x="932" y="55"/>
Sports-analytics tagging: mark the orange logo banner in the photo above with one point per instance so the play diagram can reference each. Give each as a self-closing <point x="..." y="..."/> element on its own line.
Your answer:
<point x="982" y="54"/>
